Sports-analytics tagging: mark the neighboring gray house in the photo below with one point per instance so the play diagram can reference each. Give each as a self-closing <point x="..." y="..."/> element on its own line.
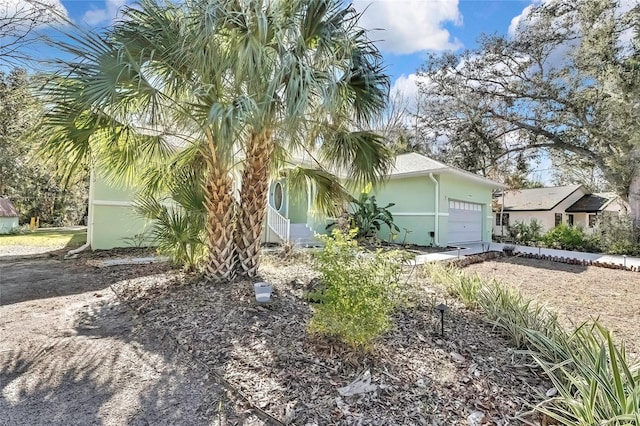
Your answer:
<point x="571" y="204"/>
<point x="8" y="216"/>
<point x="586" y="210"/>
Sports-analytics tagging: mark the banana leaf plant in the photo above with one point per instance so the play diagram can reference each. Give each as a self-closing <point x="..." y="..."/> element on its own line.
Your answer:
<point x="367" y="216"/>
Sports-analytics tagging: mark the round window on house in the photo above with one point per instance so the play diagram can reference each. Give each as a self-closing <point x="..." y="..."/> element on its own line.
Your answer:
<point x="277" y="196"/>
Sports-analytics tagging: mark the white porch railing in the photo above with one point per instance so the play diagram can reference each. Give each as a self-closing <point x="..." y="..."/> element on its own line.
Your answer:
<point x="279" y="224"/>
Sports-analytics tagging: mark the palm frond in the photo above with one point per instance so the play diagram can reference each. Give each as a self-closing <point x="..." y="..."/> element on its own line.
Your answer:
<point x="330" y="197"/>
<point x="362" y="155"/>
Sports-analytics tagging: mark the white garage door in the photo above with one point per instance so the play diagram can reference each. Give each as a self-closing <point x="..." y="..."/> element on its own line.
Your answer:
<point x="465" y="222"/>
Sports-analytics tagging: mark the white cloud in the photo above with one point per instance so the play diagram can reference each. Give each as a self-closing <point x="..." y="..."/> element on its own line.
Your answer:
<point x="405" y="91"/>
<point x="410" y="26"/>
<point x="109" y="13"/>
<point x="406" y="86"/>
<point x="518" y="20"/>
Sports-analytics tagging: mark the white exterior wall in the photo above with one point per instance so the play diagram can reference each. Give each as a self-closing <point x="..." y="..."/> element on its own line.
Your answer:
<point x="546" y="218"/>
<point x="7" y="224"/>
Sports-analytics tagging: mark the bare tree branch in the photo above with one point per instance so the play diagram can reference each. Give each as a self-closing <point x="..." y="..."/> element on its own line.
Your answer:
<point x="20" y="25"/>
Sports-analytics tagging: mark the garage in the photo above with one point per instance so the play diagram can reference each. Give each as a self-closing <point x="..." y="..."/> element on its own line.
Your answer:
<point x="465" y="222"/>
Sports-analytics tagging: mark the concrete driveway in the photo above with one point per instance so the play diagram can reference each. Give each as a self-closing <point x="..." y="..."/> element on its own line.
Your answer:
<point x="475" y="248"/>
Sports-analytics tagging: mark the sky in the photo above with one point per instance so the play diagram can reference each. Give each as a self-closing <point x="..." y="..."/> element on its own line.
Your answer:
<point x="405" y="31"/>
<point x="409" y="29"/>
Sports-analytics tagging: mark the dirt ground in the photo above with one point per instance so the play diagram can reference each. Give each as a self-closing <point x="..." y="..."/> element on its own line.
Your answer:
<point x="578" y="293"/>
<point x="71" y="353"/>
<point x="416" y="376"/>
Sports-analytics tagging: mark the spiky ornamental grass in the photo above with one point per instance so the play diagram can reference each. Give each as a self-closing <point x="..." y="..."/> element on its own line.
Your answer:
<point x="596" y="383"/>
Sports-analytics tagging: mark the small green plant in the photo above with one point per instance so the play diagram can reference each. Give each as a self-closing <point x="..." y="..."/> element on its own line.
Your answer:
<point x="175" y="232"/>
<point x="406" y="234"/>
<point x="361" y="289"/>
<point x="178" y="223"/>
<point x="510" y="312"/>
<point x="138" y="240"/>
<point x="456" y="282"/>
<point x="367" y="217"/>
<point x="526" y="233"/>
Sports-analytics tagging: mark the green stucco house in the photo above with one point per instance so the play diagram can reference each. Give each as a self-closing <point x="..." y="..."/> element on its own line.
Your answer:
<point x="438" y="204"/>
<point x="435" y="204"/>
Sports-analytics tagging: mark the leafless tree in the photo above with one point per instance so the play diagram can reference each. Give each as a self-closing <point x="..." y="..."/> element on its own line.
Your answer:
<point x="20" y="25"/>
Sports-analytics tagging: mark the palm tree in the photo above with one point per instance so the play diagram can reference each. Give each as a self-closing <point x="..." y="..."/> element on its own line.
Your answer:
<point x="225" y="85"/>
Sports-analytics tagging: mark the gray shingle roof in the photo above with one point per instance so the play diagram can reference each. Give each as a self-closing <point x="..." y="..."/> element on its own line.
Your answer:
<point x="418" y="164"/>
<point x="7" y="209"/>
<point x="415" y="163"/>
<point x="592" y="203"/>
<point x="536" y="198"/>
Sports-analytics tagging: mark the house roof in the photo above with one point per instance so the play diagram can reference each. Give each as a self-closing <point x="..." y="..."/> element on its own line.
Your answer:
<point x="7" y="208"/>
<point x="414" y="164"/>
<point x="536" y="198"/>
<point x="592" y="203"/>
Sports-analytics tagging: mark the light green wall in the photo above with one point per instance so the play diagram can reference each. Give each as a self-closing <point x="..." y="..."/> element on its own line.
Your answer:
<point x="111" y="191"/>
<point x="411" y="194"/>
<point x="298" y="206"/>
<point x="112" y="225"/>
<point x="414" y="208"/>
<point x="8" y="224"/>
<point x="113" y="220"/>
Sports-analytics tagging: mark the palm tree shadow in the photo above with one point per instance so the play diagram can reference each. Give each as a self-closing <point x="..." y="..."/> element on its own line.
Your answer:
<point x="109" y="369"/>
<point x="39" y="388"/>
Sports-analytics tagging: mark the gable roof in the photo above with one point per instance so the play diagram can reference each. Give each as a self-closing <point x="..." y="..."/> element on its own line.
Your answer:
<point x="592" y="203"/>
<point x="414" y="164"/>
<point x="536" y="198"/>
<point x="7" y="208"/>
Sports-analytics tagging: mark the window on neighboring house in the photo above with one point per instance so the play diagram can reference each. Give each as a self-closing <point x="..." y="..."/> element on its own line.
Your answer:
<point x="504" y="220"/>
<point x="592" y="220"/>
<point x="558" y="219"/>
<point x="570" y="219"/>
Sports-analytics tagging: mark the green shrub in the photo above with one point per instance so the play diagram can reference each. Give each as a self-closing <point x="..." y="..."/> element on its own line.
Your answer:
<point x="178" y="223"/>
<point x="509" y="311"/>
<point x="617" y="235"/>
<point x="361" y="289"/>
<point x="504" y="307"/>
<point x="526" y="233"/>
<point x="567" y="237"/>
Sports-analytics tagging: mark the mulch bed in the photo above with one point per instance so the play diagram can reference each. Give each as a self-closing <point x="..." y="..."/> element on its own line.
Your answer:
<point x="469" y="376"/>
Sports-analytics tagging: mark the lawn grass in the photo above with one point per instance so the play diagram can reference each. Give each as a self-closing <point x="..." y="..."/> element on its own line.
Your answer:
<point x="46" y="238"/>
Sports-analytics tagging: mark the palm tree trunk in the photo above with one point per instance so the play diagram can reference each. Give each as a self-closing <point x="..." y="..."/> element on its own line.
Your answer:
<point x="253" y="199"/>
<point x="220" y="220"/>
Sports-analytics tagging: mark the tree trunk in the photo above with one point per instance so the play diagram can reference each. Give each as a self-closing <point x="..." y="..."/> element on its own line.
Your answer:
<point x="634" y="197"/>
<point x="220" y="218"/>
<point x="253" y="199"/>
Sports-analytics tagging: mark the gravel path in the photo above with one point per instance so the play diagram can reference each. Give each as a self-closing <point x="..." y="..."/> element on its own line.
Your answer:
<point x="14" y="251"/>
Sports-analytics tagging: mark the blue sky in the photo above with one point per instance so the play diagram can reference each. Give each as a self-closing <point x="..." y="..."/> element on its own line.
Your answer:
<point x="411" y="27"/>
